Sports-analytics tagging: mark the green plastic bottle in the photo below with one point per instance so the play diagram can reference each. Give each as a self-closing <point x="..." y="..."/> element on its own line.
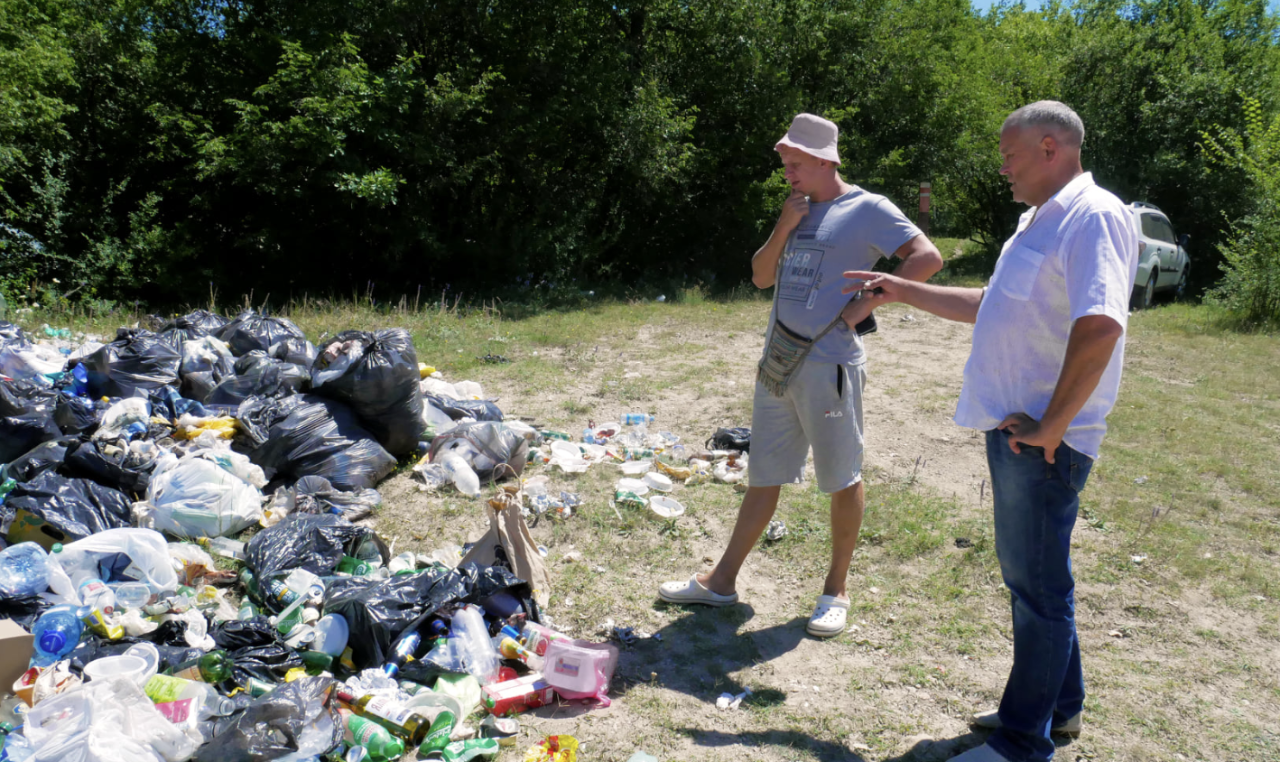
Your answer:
<point x="378" y="740"/>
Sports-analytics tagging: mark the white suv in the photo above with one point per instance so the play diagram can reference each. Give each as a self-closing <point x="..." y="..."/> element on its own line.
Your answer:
<point x="1163" y="264"/>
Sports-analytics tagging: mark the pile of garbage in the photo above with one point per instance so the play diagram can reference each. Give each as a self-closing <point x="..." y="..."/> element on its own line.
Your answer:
<point x="648" y="462"/>
<point x="182" y="575"/>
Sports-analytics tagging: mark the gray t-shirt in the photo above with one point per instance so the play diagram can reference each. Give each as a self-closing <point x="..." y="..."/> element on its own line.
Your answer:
<point x="847" y="233"/>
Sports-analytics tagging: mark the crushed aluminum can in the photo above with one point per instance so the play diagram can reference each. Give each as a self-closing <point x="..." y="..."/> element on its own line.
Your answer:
<point x="776" y="531"/>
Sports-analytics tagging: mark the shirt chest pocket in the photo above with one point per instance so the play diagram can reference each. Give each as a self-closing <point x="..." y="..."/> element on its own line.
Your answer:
<point x="1017" y="271"/>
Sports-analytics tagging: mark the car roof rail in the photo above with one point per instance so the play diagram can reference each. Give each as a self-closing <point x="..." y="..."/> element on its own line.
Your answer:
<point x="1146" y="205"/>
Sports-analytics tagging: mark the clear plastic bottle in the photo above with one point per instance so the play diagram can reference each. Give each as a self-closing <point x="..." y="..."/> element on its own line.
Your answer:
<point x="57" y="631"/>
<point x="479" y="657"/>
<point x="636" y="419"/>
<point x="23" y="570"/>
<point x="464" y="478"/>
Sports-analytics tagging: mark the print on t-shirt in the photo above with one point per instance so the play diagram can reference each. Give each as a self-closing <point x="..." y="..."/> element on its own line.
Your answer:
<point x="799" y="272"/>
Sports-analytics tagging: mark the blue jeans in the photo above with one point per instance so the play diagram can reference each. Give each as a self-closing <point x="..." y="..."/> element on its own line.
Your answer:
<point x="1035" y="511"/>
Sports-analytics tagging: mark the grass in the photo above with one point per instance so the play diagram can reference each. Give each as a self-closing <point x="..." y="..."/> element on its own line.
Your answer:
<point x="1188" y="480"/>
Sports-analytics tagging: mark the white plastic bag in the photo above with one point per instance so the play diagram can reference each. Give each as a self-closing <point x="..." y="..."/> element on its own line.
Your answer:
<point x="106" y="721"/>
<point x="131" y="555"/>
<point x="22" y="363"/>
<point x="211" y="493"/>
<point x="204" y="354"/>
<point x="120" y="415"/>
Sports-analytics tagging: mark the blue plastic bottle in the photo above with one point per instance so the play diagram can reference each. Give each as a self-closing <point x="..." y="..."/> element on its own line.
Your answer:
<point x="635" y="419"/>
<point x="56" y="633"/>
<point x="23" y="570"/>
<point x="80" y="381"/>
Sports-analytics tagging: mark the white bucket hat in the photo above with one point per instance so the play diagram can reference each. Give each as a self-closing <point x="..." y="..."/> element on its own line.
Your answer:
<point x="813" y="135"/>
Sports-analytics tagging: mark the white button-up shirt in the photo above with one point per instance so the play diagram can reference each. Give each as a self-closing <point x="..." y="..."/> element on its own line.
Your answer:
<point x="1075" y="256"/>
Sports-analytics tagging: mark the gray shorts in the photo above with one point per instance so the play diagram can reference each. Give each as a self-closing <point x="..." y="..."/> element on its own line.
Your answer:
<point x="822" y="407"/>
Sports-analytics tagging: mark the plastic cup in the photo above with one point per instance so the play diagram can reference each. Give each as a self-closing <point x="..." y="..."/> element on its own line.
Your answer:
<point x="131" y="668"/>
<point x="665" y="507"/>
<point x="133" y="595"/>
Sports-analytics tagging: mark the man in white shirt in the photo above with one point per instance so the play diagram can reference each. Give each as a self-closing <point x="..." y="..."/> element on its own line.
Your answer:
<point x="1044" y="371"/>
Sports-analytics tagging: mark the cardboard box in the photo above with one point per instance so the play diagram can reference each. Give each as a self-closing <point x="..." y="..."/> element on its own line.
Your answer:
<point x="27" y="527"/>
<point x="16" y="648"/>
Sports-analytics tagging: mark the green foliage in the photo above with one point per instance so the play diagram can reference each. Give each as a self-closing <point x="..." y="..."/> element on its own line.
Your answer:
<point x="160" y="148"/>
<point x="1251" y="283"/>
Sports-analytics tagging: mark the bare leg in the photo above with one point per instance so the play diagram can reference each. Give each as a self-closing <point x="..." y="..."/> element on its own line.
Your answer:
<point x="757" y="509"/>
<point x="846" y="520"/>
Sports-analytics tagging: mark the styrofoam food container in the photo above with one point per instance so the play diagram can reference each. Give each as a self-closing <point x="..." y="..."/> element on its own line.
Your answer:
<point x="666" y="507"/>
<point x="636" y="487"/>
<point x="636" y="467"/>
<point x="657" y="481"/>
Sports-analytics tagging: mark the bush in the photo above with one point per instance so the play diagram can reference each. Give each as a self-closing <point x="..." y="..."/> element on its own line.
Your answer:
<point x="1250" y="286"/>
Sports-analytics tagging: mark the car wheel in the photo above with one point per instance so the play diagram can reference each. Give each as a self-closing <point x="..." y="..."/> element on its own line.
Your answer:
<point x="1149" y="293"/>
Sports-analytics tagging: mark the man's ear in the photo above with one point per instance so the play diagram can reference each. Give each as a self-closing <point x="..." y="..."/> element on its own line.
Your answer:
<point x="1049" y="145"/>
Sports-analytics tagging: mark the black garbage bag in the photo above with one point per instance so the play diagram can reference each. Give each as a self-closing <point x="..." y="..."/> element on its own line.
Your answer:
<point x="377" y="374"/>
<point x="114" y="467"/>
<point x="307" y="435"/>
<point x="251" y="330"/>
<point x="493" y="451"/>
<point x="23" y="609"/>
<point x="294" y="350"/>
<point x="77" y="415"/>
<point x="135" y="362"/>
<point x="480" y="410"/>
<point x="46" y="456"/>
<point x="72" y="509"/>
<point x="315" y="495"/>
<point x="26" y="418"/>
<point x="257" y="375"/>
<point x="279" y="723"/>
<point x="314" y="543"/>
<point x="737" y="438"/>
<point x="198" y="385"/>
<point x="196" y="324"/>
<point x="92" y="648"/>
<point x="377" y="611"/>
<point x="255" y="649"/>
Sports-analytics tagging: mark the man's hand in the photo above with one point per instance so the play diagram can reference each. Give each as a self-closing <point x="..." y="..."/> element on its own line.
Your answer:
<point x="795" y="209"/>
<point x="1025" y="430"/>
<point x="856" y="311"/>
<point x="876" y="288"/>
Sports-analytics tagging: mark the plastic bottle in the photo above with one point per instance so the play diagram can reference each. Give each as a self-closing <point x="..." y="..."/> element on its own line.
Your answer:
<point x="95" y="594"/>
<point x="57" y="631"/>
<point x="464" y="478"/>
<point x="223" y="546"/>
<point x="636" y="419"/>
<point x="23" y="570"/>
<point x="164" y="689"/>
<point x="382" y="746"/>
<point x="405" y="723"/>
<point x="7" y="486"/>
<point x="479" y="657"/>
<point x="332" y="633"/>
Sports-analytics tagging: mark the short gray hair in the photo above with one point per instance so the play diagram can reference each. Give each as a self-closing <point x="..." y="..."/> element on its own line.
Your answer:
<point x="1057" y="118"/>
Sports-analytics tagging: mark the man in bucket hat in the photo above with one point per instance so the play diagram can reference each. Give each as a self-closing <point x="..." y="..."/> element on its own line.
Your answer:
<point x="809" y="391"/>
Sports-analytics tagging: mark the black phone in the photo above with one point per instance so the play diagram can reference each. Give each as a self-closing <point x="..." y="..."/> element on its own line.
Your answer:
<point x="866" y="326"/>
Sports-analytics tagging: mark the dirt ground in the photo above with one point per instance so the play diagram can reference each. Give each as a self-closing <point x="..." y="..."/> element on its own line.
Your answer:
<point x="865" y="695"/>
